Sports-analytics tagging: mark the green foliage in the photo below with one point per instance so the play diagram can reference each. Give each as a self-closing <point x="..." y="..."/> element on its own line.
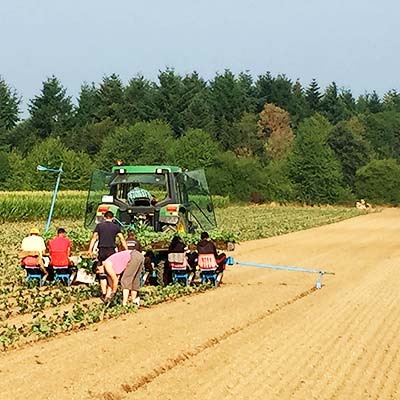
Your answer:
<point x="350" y="149"/>
<point x="313" y="168"/>
<point x="15" y="178"/>
<point x="391" y="101"/>
<point x="275" y="90"/>
<point x="332" y="105"/>
<point x="30" y="206"/>
<point x="170" y="101"/>
<point x="4" y="167"/>
<point x="142" y="143"/>
<point x="9" y="106"/>
<point x="113" y="121"/>
<point x="195" y="149"/>
<point x="52" y="153"/>
<point x="278" y="184"/>
<point x="150" y="239"/>
<point x="51" y="111"/>
<point x="22" y="138"/>
<point x="89" y="138"/>
<point x="382" y="130"/>
<point x="261" y="221"/>
<point x="241" y="177"/>
<point x="110" y="99"/>
<point x="88" y="105"/>
<point x="229" y="99"/>
<point x="140" y="100"/>
<point x="313" y="96"/>
<point x="379" y="181"/>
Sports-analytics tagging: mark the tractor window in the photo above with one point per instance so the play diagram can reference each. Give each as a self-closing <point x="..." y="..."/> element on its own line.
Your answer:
<point x="99" y="185"/>
<point x="123" y="183"/>
<point x="194" y="190"/>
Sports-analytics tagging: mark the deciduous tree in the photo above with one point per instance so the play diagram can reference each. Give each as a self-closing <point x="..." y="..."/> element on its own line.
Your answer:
<point x="313" y="168"/>
<point x="274" y="124"/>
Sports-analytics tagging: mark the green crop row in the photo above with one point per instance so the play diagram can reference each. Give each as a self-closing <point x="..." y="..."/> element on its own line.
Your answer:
<point x="38" y="310"/>
<point x="83" y="315"/>
<point x="262" y="221"/>
<point x="27" y="206"/>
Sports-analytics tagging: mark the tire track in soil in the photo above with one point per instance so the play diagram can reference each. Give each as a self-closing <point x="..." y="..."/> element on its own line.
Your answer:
<point x="378" y="331"/>
<point x="289" y="358"/>
<point x="185" y="356"/>
<point x="334" y="343"/>
<point x="308" y="350"/>
<point x="362" y="324"/>
<point x="326" y="356"/>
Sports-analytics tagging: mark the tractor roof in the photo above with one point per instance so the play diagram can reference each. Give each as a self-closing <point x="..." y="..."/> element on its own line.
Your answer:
<point x="145" y="169"/>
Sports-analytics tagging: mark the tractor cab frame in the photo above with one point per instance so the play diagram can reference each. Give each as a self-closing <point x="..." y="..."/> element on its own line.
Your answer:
<point x="179" y="200"/>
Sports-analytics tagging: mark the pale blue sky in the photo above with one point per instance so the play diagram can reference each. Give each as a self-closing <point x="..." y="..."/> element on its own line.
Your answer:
<point x="355" y="43"/>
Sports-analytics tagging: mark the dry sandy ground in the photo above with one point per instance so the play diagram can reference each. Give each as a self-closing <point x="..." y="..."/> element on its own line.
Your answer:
<point x="262" y="335"/>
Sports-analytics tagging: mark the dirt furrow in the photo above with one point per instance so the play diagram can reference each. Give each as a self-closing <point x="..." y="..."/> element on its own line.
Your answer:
<point x="253" y="338"/>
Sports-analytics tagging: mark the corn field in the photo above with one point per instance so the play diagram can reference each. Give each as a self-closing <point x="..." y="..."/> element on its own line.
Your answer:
<point x="25" y="206"/>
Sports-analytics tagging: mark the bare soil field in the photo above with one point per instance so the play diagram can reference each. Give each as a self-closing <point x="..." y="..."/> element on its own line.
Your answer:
<point x="262" y="335"/>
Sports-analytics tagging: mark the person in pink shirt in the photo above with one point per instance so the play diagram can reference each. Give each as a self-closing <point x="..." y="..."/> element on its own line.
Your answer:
<point x="130" y="264"/>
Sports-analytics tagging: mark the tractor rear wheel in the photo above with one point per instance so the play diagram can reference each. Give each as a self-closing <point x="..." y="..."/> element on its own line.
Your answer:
<point x="161" y="275"/>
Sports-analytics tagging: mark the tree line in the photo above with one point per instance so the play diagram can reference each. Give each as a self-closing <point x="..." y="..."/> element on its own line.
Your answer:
<point x="264" y="139"/>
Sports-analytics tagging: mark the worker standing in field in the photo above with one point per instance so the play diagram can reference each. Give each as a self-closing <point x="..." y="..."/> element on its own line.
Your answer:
<point x="106" y="233"/>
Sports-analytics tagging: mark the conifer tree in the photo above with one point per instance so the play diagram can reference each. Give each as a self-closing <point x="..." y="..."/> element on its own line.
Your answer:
<point x="9" y="106"/>
<point x="140" y="100"/>
<point x="313" y="96"/>
<point x="110" y="99"/>
<point x="88" y="105"/>
<point x="51" y="111"/>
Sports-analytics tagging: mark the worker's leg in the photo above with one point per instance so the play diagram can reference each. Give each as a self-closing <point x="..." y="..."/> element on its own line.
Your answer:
<point x="130" y="281"/>
<point x="103" y="285"/>
<point x="104" y="253"/>
<point x="125" y="296"/>
<point x="111" y="275"/>
<point x="221" y="262"/>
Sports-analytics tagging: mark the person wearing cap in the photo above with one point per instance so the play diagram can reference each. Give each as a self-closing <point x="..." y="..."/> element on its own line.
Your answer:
<point x="34" y="246"/>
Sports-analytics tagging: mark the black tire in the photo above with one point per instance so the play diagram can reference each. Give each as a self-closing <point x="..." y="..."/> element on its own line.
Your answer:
<point x="161" y="274"/>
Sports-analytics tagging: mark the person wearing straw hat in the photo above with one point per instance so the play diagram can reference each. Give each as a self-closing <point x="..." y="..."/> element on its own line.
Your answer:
<point x="34" y="246"/>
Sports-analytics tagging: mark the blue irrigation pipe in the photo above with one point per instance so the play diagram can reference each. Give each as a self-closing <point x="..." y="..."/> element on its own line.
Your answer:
<point x="53" y="200"/>
<point x="320" y="272"/>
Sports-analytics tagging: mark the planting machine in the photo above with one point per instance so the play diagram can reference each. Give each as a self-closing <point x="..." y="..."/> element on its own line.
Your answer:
<point x="180" y="202"/>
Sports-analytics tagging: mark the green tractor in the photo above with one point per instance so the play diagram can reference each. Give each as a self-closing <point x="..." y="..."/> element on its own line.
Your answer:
<point x="180" y="200"/>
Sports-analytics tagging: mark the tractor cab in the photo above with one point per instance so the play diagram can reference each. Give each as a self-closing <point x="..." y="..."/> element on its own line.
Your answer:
<point x="163" y="197"/>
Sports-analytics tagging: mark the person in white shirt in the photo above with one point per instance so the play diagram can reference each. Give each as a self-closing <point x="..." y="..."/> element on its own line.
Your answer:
<point x="33" y="245"/>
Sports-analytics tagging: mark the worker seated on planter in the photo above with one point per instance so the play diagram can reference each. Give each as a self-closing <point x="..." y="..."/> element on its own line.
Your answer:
<point x="178" y="253"/>
<point x="207" y="246"/>
<point x="32" y="251"/>
<point x="59" y="249"/>
<point x="140" y="197"/>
